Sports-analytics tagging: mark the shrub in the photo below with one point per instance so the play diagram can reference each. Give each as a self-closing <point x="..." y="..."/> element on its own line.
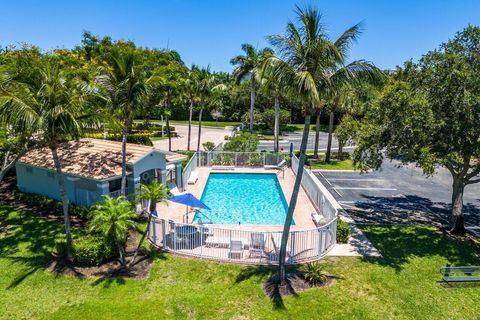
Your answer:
<point x="243" y="142"/>
<point x="209" y="145"/>
<point x="92" y="250"/>
<point x="268" y="118"/>
<point x="314" y="273"/>
<point x="61" y="247"/>
<point x="343" y="231"/>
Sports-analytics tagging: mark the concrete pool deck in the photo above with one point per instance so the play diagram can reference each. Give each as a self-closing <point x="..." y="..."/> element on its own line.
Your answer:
<point x="301" y="215"/>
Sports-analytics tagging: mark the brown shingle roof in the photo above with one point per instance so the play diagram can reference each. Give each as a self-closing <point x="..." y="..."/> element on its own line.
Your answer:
<point x="92" y="158"/>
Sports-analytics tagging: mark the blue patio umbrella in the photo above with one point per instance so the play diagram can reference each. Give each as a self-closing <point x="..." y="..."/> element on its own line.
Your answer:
<point x="188" y="199"/>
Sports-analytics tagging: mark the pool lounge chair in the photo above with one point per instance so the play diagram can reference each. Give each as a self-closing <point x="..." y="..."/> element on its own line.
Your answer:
<point x="318" y="219"/>
<point x="193" y="177"/>
<point x="236" y="250"/>
<point x="257" y="244"/>
<point x="275" y="166"/>
<point x="221" y="242"/>
<point x="218" y="167"/>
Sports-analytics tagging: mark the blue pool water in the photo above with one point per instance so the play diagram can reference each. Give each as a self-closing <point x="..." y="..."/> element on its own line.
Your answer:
<point x="246" y="198"/>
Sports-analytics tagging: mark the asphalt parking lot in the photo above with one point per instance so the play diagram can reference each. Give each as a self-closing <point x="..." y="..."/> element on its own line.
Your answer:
<point x="400" y="195"/>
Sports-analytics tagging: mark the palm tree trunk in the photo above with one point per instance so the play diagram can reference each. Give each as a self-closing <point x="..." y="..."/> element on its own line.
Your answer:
<point x="317" y="133"/>
<point x="293" y="202"/>
<point x="144" y="235"/>
<point x="199" y="128"/>
<point x="340" y="149"/>
<point x="330" y="134"/>
<point x="252" y="102"/>
<point x="458" y="226"/>
<point x="123" y="184"/>
<point x="168" y="134"/>
<point x="63" y="195"/>
<point x="276" y="129"/>
<point x="121" y="252"/>
<point x="190" y="125"/>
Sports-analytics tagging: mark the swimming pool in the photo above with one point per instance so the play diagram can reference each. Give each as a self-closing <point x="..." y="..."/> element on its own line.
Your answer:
<point x="245" y="198"/>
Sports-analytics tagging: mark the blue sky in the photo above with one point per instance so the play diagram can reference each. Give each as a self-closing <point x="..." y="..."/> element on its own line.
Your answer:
<point x="210" y="32"/>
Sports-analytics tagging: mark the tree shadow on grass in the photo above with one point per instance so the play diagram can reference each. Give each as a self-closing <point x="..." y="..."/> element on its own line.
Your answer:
<point x="268" y="276"/>
<point x="397" y="244"/>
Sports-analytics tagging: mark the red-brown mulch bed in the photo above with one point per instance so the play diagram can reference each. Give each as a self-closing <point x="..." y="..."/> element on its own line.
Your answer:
<point x="294" y="283"/>
<point x="139" y="270"/>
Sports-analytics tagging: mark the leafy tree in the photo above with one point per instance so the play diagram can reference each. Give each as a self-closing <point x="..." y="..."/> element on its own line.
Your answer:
<point x="124" y="88"/>
<point x="248" y="66"/>
<point x="243" y="142"/>
<point x="112" y="218"/>
<point x="154" y="192"/>
<point x="301" y="65"/>
<point x="431" y="116"/>
<point x="52" y="108"/>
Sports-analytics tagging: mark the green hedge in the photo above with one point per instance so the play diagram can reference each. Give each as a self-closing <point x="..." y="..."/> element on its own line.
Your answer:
<point x="42" y="202"/>
<point x="92" y="250"/>
<point x="343" y="231"/>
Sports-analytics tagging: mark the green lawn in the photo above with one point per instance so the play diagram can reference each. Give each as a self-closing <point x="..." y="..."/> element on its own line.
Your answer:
<point x="158" y="138"/>
<point x="346" y="164"/>
<point x="220" y="124"/>
<point x="401" y="285"/>
<point x="320" y="164"/>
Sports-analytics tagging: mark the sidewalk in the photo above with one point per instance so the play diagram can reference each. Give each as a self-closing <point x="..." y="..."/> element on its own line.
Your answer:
<point x="358" y="245"/>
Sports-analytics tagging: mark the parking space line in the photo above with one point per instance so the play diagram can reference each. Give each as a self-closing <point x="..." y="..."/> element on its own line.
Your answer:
<point x="356" y="188"/>
<point x="355" y="179"/>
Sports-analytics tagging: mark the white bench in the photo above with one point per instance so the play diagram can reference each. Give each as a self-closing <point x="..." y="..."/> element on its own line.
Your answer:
<point x="193" y="177"/>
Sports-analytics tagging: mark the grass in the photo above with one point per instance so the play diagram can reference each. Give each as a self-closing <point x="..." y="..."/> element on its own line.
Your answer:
<point x="299" y="127"/>
<point x="320" y="164"/>
<point x="220" y="124"/>
<point x="401" y="285"/>
<point x="158" y="138"/>
<point x="346" y="164"/>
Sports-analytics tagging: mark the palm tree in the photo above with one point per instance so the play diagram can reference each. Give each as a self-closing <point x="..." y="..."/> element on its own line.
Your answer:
<point x="112" y="218"/>
<point x="52" y="108"/>
<point x="341" y="76"/>
<point x="124" y="88"/>
<point x="166" y="83"/>
<point x="304" y="54"/>
<point x="192" y="87"/>
<point x="248" y="65"/>
<point x="154" y="192"/>
<point x="205" y="84"/>
<point x="272" y="85"/>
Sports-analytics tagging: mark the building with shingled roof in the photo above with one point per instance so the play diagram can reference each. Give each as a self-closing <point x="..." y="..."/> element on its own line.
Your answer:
<point x="93" y="168"/>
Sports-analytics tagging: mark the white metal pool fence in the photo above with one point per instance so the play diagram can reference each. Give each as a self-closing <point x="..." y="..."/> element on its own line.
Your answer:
<point x="318" y="194"/>
<point x="220" y="243"/>
<point x="239" y="159"/>
<point x="236" y="244"/>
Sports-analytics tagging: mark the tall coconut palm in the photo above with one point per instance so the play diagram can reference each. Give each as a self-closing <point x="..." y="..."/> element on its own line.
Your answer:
<point x="204" y="88"/>
<point x="248" y="66"/>
<point x="154" y="192"/>
<point x="166" y="85"/>
<point x="274" y="87"/>
<point x="342" y="75"/>
<point x="301" y="65"/>
<point x="112" y="218"/>
<point x="52" y="108"/>
<point x="122" y="81"/>
<point x="191" y="94"/>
